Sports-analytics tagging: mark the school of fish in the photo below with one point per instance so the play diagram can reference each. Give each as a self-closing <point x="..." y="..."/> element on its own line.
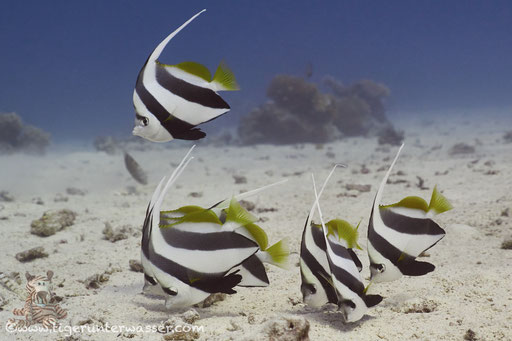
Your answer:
<point x="191" y="252"/>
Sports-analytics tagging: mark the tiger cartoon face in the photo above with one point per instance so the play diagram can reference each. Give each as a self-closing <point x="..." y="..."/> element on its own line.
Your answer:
<point x="40" y="288"/>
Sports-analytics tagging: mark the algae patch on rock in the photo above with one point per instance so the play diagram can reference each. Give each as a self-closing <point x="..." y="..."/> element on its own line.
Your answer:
<point x="52" y="221"/>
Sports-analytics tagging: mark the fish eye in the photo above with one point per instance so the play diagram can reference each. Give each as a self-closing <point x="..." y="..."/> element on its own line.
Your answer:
<point x="347" y="304"/>
<point x="308" y="289"/>
<point x="145" y="121"/>
<point x="380" y="268"/>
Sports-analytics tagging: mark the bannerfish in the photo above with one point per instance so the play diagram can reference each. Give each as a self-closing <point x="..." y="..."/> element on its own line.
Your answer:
<point x="236" y="219"/>
<point x="314" y="267"/>
<point x="353" y="300"/>
<point x="400" y="232"/>
<point x="185" y="285"/>
<point x="191" y="252"/>
<point x="171" y="100"/>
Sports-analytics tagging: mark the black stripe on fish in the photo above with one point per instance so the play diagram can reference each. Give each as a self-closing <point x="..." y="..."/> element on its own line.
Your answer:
<point x="150" y="279"/>
<point x="213" y="241"/>
<point x="404" y="262"/>
<point x="207" y="282"/>
<point x="146" y="232"/>
<point x="224" y="284"/>
<point x="192" y="93"/>
<point x="177" y="128"/>
<point x="318" y="271"/>
<point x="372" y="300"/>
<point x="169" y="291"/>
<point x="409" y="225"/>
<point x="356" y="260"/>
<point x="340" y="251"/>
<point x="256" y="268"/>
<point x="318" y="237"/>
<point x="342" y="275"/>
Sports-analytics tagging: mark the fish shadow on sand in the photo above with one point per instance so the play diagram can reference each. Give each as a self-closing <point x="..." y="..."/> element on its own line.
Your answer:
<point x="155" y="304"/>
<point x="331" y="318"/>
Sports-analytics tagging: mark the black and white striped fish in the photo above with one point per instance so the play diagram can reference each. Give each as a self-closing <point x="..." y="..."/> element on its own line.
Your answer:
<point x="236" y="218"/>
<point x="344" y="267"/>
<point x="330" y="268"/>
<point x="400" y="232"/>
<point x="314" y="268"/>
<point x="189" y="255"/>
<point x="171" y="100"/>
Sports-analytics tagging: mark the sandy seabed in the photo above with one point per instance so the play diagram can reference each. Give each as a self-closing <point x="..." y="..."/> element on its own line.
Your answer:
<point x="471" y="288"/>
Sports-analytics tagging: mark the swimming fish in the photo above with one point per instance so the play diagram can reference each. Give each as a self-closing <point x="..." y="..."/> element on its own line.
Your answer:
<point x="400" y="232"/>
<point x="314" y="267"/>
<point x="353" y="301"/>
<point x="236" y="219"/>
<point x="201" y="258"/>
<point x="171" y="100"/>
<point x="330" y="268"/>
<point x="191" y="252"/>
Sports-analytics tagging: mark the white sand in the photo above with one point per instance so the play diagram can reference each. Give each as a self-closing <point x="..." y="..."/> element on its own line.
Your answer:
<point x="471" y="287"/>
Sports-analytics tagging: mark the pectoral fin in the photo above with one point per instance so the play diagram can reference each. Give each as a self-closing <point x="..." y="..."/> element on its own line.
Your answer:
<point x="415" y="268"/>
<point x="372" y="300"/>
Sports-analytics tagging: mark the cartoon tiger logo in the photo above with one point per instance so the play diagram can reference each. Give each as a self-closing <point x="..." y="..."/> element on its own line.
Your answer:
<point x="40" y="305"/>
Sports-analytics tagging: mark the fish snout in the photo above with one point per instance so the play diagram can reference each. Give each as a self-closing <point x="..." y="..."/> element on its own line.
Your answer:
<point x="137" y="130"/>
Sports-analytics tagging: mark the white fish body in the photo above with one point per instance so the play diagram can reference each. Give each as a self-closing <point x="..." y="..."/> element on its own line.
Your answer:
<point x="345" y="277"/>
<point x="408" y="230"/>
<point x="314" y="266"/>
<point x="170" y="100"/>
<point x="186" y="274"/>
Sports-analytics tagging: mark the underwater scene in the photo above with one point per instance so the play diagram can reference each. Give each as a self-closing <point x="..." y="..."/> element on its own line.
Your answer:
<point x="221" y="170"/>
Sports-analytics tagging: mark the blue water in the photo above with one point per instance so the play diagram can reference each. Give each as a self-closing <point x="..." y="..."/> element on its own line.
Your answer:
<point x="69" y="67"/>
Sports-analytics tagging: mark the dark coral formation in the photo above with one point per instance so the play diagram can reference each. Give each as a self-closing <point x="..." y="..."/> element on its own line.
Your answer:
<point x="300" y="112"/>
<point x="16" y="136"/>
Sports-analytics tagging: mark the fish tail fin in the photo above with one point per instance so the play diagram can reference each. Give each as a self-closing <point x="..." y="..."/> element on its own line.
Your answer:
<point x="438" y="202"/>
<point x="224" y="79"/>
<point x="158" y="50"/>
<point x="279" y="254"/>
